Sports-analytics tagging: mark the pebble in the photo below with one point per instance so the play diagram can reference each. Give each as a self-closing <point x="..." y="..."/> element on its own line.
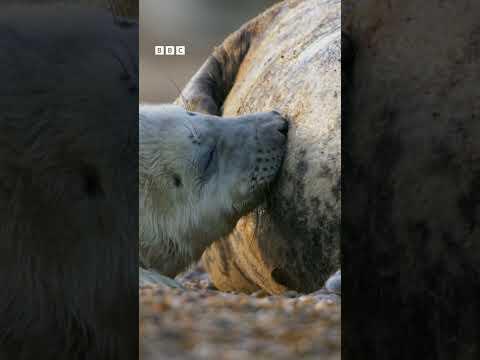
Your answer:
<point x="198" y="322"/>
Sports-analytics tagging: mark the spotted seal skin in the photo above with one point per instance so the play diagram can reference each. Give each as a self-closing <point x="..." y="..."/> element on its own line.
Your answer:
<point x="286" y="58"/>
<point x="199" y="174"/>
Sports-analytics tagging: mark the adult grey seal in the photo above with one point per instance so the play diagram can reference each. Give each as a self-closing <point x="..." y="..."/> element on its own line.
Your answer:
<point x="286" y="58"/>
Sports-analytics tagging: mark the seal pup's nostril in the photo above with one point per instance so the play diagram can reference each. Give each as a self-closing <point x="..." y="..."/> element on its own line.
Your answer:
<point x="283" y="128"/>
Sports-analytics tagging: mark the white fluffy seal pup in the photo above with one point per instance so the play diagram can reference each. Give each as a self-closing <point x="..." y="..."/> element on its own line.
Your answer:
<point x="198" y="174"/>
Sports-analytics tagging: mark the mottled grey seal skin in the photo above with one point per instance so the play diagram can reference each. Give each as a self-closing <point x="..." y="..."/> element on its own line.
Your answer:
<point x="198" y="175"/>
<point x="287" y="58"/>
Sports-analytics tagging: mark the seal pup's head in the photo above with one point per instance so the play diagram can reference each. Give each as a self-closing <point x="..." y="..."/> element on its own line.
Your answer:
<point x="198" y="175"/>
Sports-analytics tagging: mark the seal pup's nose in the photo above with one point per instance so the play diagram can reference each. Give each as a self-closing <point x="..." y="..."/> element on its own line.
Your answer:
<point x="283" y="127"/>
<point x="275" y="128"/>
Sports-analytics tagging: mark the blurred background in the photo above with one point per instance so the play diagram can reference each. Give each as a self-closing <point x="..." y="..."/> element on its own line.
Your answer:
<point x="119" y="7"/>
<point x="199" y="25"/>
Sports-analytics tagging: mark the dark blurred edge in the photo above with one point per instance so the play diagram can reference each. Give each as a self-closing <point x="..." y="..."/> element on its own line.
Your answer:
<point x="387" y="311"/>
<point x="69" y="184"/>
<point x="127" y="8"/>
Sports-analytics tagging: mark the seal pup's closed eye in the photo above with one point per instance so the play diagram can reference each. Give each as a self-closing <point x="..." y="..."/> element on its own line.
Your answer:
<point x="199" y="174"/>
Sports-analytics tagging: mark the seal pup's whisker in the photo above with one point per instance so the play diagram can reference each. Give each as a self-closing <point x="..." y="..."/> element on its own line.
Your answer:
<point x="191" y="129"/>
<point x="185" y="103"/>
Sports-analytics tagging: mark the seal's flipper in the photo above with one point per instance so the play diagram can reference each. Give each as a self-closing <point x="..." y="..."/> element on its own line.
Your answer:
<point x="209" y="87"/>
<point x="149" y="277"/>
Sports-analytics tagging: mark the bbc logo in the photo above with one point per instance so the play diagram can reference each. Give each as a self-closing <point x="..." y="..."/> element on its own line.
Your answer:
<point x="170" y="50"/>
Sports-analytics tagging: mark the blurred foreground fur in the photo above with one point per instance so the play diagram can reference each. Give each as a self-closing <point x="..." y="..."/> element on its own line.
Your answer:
<point x="412" y="173"/>
<point x="127" y="8"/>
<point x="68" y="199"/>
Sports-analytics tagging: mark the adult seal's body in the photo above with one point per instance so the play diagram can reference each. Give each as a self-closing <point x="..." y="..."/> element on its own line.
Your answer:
<point x="198" y="175"/>
<point x="286" y="58"/>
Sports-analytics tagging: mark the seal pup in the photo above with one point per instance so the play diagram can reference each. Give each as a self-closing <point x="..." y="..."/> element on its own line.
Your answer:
<point x="198" y="175"/>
